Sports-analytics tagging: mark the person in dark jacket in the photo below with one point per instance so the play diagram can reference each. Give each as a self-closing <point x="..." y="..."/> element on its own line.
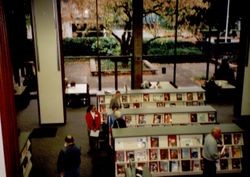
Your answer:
<point x="119" y="121"/>
<point x="69" y="159"/>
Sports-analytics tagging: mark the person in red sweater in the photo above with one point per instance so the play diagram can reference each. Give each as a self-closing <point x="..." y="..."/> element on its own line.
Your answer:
<point x="93" y="121"/>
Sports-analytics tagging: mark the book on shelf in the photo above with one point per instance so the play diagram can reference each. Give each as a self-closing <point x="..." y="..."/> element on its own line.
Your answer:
<point x="172" y="140"/>
<point x="128" y="120"/>
<point x="142" y="142"/>
<point x="185" y="153"/>
<point x="163" y="141"/>
<point x="101" y="99"/>
<point x="153" y="154"/>
<point x="137" y="97"/>
<point x="212" y="117"/>
<point x="130" y="156"/>
<point x="158" y="97"/>
<point x="146" y="97"/>
<point x="167" y="118"/>
<point x="200" y="96"/>
<point x="189" y="96"/>
<point x="157" y="119"/>
<point x="185" y="165"/>
<point x="153" y="167"/>
<point x="163" y="166"/>
<point x="223" y="164"/>
<point x="236" y="151"/>
<point x="120" y="169"/>
<point x="136" y="105"/>
<point x="154" y="142"/>
<point x="141" y="120"/>
<point x="190" y="140"/>
<point x="141" y="155"/>
<point x="237" y="138"/>
<point x="195" y="103"/>
<point x="160" y="104"/>
<point x="174" y="166"/>
<point x="196" y="165"/>
<point x="236" y="163"/>
<point x="193" y="117"/>
<point x="227" y="138"/>
<point x="202" y="117"/>
<point x="179" y="96"/>
<point x="124" y="98"/>
<point x="120" y="156"/>
<point x="166" y="96"/>
<point x="189" y="103"/>
<point x="126" y="105"/>
<point x="195" y="153"/>
<point x="163" y="154"/>
<point x="173" y="153"/>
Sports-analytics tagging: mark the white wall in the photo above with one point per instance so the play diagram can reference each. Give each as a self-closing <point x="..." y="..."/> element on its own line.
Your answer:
<point x="2" y="161"/>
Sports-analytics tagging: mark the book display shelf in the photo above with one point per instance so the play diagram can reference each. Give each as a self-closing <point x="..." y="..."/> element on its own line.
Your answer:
<point x="25" y="154"/>
<point x="164" y="116"/>
<point x="152" y="98"/>
<point x="175" y="150"/>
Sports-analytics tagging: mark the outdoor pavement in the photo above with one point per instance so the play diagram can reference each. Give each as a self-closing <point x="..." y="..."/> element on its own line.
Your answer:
<point x="79" y="71"/>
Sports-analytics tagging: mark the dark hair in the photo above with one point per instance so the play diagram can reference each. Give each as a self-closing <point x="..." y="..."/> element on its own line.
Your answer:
<point x="90" y="108"/>
<point x="69" y="139"/>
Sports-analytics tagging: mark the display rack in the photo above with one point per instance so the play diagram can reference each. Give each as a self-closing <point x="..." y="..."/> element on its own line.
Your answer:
<point x="175" y="150"/>
<point x="25" y="154"/>
<point x="163" y="116"/>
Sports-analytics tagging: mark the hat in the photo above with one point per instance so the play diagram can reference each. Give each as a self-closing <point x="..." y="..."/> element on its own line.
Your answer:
<point x="117" y="114"/>
<point x="69" y="139"/>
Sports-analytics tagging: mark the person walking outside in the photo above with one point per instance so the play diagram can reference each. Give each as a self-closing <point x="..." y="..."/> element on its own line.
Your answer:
<point x="69" y="159"/>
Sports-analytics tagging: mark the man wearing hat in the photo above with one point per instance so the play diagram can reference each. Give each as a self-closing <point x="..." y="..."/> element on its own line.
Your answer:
<point x="69" y="159"/>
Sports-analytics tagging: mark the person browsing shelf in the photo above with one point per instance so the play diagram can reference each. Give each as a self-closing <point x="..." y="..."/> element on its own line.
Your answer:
<point x="116" y="100"/>
<point x="211" y="153"/>
<point x="69" y="159"/>
<point x="93" y="121"/>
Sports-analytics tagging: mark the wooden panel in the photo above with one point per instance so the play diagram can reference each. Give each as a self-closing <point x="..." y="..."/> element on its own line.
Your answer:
<point x="7" y="106"/>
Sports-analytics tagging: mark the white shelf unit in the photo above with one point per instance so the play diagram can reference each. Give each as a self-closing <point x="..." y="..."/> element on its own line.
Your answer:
<point x="25" y="154"/>
<point x="174" y="150"/>
<point x="165" y="116"/>
<point x="153" y="98"/>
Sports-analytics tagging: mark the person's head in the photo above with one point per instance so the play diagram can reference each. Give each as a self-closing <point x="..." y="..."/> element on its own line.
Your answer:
<point x="117" y="93"/>
<point x="117" y="114"/>
<point x="114" y="108"/>
<point x="216" y="132"/>
<point x="91" y="108"/>
<point x="69" y="140"/>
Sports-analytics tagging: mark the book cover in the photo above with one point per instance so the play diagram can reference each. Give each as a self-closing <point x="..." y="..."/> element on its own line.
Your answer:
<point x="163" y="154"/>
<point x="136" y="105"/>
<point x="163" y="141"/>
<point x="173" y="153"/>
<point x="160" y="104"/>
<point x="126" y="105"/>
<point x="179" y="96"/>
<point x="167" y="118"/>
<point x="236" y="151"/>
<point x="227" y="138"/>
<point x="189" y="96"/>
<point x="193" y="117"/>
<point x="101" y="99"/>
<point x="141" y="155"/>
<point x="196" y="165"/>
<point x="185" y="153"/>
<point x="158" y="97"/>
<point x="145" y="97"/>
<point x="120" y="156"/>
<point x="154" y="142"/>
<point x="212" y="116"/>
<point x="172" y="140"/>
<point x="142" y="142"/>
<point x="128" y="120"/>
<point x="195" y="103"/>
<point x="223" y="164"/>
<point x="185" y="165"/>
<point x="200" y="96"/>
<point x="153" y="154"/>
<point x="166" y="96"/>
<point x="130" y="156"/>
<point x="238" y="139"/>
<point x="157" y="119"/>
<point x="202" y="117"/>
<point x="236" y="164"/>
<point x="163" y="166"/>
<point x="141" y="119"/>
<point x="174" y="166"/>
<point x="189" y="103"/>
<point x="195" y="153"/>
<point x="120" y="169"/>
<point x="153" y="167"/>
<point x="124" y="98"/>
<point x="136" y="98"/>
